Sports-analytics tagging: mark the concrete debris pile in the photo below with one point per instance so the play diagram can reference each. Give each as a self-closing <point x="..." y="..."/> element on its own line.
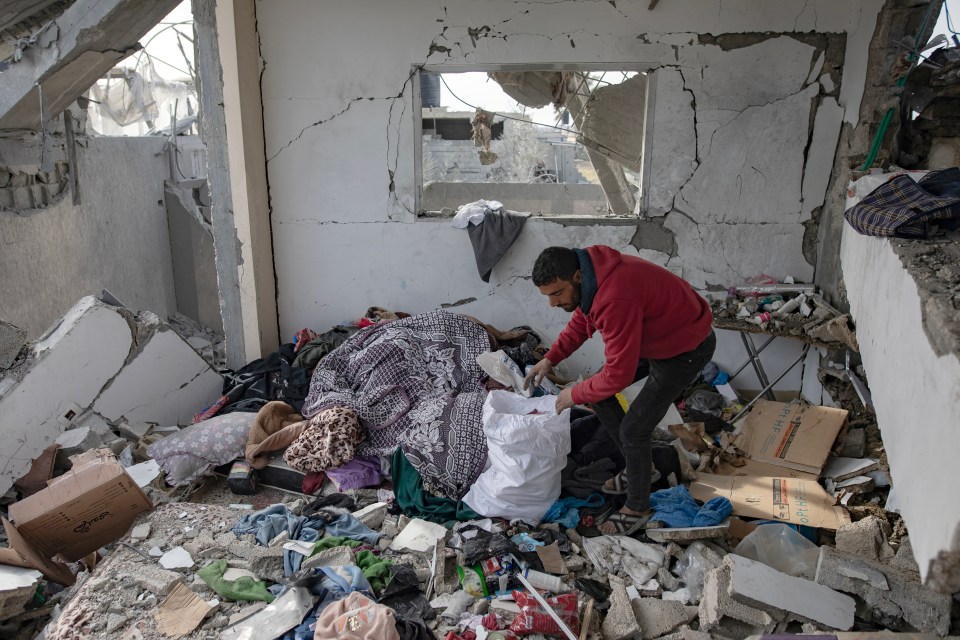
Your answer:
<point x="189" y="570"/>
<point x="101" y="377"/>
<point x="208" y="344"/>
<point x="785" y="308"/>
<point x="752" y="531"/>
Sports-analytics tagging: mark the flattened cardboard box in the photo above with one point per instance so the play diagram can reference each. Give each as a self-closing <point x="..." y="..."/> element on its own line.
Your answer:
<point x="792" y="500"/>
<point x="795" y="435"/>
<point x="86" y="508"/>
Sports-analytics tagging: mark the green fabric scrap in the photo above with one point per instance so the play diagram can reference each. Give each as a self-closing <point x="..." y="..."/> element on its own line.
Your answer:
<point x="375" y="569"/>
<point x="416" y="502"/>
<point x="334" y="541"/>
<point x="244" y="588"/>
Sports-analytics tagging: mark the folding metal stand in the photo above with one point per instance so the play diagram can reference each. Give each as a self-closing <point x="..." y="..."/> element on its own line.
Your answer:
<point x="753" y="358"/>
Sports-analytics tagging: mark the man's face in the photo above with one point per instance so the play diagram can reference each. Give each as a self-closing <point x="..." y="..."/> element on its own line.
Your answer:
<point x="563" y="293"/>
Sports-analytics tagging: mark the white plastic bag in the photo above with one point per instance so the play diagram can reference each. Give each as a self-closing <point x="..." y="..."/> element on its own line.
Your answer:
<point x="781" y="547"/>
<point x="527" y="452"/>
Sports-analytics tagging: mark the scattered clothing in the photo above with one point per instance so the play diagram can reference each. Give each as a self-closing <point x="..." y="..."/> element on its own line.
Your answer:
<point x="268" y="523"/>
<point x="675" y="507"/>
<point x="301" y="338"/>
<point x="474" y="213"/>
<point x="356" y="617"/>
<point x="272" y="418"/>
<point x="271" y="378"/>
<point x="313" y="483"/>
<point x="363" y="471"/>
<point x="414" y="383"/>
<point x="244" y="588"/>
<point x="903" y="208"/>
<point x="349" y="527"/>
<point x="328" y="442"/>
<point x="375" y="569"/>
<point x="417" y="502"/>
<point x="493" y="238"/>
<point x="319" y="346"/>
<point x="338" y="500"/>
<point x="335" y="541"/>
<point x="565" y="511"/>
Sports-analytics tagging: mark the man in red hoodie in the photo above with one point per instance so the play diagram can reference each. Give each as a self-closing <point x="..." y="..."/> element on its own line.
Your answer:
<point x="653" y="325"/>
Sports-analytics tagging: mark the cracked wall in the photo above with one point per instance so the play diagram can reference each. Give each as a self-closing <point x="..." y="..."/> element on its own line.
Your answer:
<point x="746" y="118"/>
<point x="116" y="238"/>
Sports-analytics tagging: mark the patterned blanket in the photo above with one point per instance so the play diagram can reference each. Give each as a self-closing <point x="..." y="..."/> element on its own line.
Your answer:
<point x="415" y="383"/>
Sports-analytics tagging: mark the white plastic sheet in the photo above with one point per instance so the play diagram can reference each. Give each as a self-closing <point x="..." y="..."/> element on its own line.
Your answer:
<point x="528" y="445"/>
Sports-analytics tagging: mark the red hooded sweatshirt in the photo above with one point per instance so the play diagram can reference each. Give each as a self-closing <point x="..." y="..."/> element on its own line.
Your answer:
<point x="641" y="310"/>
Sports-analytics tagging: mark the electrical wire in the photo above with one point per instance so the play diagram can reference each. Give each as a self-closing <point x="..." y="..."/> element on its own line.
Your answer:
<point x="888" y="116"/>
<point x="946" y="10"/>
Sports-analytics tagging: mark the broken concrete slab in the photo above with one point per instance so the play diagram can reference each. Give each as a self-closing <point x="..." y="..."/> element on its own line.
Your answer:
<point x="716" y="605"/>
<point x="686" y="534"/>
<point x="866" y="538"/>
<point x="756" y="584"/>
<point x="659" y="617"/>
<point x="17" y="588"/>
<point x="620" y="623"/>
<point x="12" y="339"/>
<point x="93" y="338"/>
<point x="76" y="441"/>
<point x="79" y="47"/>
<point x="903" y="600"/>
<point x="838" y="469"/>
<point x="123" y="365"/>
<point x="155" y="579"/>
<point x="165" y="383"/>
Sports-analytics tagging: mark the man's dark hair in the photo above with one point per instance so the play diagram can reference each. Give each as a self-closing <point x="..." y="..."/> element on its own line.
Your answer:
<point x="555" y="263"/>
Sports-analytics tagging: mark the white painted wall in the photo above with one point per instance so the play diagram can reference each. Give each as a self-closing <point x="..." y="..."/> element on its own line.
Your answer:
<point x="916" y="393"/>
<point x="339" y="134"/>
<point x="116" y="238"/>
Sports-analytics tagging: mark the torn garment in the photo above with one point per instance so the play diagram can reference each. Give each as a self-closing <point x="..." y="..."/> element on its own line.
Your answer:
<point x="328" y="442"/>
<point x="493" y="237"/>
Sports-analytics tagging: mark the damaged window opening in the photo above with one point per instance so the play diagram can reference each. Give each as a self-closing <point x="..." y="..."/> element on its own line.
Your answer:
<point x="553" y="142"/>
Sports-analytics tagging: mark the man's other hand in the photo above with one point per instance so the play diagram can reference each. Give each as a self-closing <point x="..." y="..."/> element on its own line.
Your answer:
<point x="537" y="373"/>
<point x="565" y="399"/>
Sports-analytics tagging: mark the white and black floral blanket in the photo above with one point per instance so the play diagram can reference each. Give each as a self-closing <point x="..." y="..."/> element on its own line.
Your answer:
<point x="415" y="383"/>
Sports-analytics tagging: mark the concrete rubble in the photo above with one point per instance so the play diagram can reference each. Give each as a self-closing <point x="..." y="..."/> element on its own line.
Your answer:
<point x="143" y="382"/>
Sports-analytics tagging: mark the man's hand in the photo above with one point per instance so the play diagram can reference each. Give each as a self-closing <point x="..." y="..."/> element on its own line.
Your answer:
<point x="537" y="373"/>
<point x="565" y="399"/>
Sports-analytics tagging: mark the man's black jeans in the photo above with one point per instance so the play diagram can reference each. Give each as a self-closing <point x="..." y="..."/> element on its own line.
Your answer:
<point x="632" y="431"/>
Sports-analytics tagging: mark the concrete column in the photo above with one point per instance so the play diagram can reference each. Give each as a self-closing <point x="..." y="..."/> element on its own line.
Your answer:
<point x="232" y="127"/>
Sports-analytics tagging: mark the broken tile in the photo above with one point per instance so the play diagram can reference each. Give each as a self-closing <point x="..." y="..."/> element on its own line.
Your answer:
<point x="419" y="535"/>
<point x="176" y="558"/>
<point x="755" y="583"/>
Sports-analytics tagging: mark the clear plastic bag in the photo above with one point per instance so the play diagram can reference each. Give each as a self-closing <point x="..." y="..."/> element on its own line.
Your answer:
<point x="781" y="547"/>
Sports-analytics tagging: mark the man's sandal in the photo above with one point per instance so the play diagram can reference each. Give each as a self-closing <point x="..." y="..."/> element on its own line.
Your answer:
<point x="617" y="485"/>
<point x="627" y="524"/>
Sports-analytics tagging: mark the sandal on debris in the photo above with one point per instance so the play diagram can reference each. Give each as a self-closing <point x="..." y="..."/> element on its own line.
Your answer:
<point x="617" y="485"/>
<point x="627" y="524"/>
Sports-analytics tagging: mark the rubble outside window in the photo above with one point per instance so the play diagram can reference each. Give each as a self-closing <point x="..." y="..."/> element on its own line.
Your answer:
<point x="556" y="143"/>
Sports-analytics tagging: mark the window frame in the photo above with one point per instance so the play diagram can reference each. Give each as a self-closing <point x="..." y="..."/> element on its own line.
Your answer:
<point x="646" y="161"/>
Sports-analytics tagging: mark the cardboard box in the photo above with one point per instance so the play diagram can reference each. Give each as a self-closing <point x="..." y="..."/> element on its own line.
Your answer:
<point x="86" y="508"/>
<point x="756" y="468"/>
<point x="789" y="499"/>
<point x="795" y="435"/>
